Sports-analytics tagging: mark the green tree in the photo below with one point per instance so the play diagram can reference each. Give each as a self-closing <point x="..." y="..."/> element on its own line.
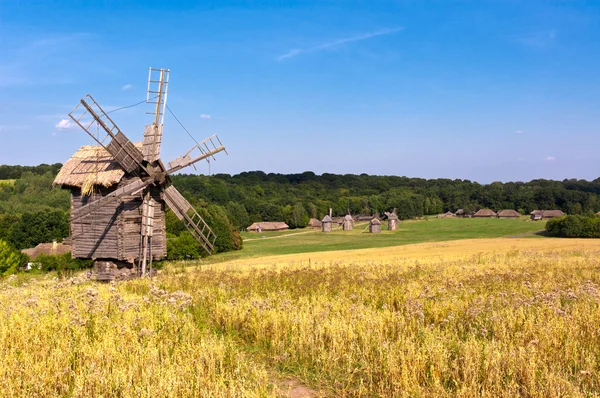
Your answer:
<point x="10" y="259"/>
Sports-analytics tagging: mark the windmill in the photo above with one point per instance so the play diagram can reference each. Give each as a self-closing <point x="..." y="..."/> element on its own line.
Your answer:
<point x="120" y="190"/>
<point x="392" y="220"/>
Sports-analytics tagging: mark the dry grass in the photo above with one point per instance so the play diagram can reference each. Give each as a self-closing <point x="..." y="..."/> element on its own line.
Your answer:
<point x="500" y="319"/>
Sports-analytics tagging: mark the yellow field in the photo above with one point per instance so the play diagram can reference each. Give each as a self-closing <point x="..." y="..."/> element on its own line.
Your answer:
<point x="501" y="317"/>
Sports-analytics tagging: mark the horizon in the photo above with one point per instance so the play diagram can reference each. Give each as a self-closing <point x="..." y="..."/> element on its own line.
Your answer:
<point x="482" y="92"/>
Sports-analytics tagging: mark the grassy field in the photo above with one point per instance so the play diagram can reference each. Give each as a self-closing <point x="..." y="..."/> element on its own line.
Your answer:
<point x="7" y="182"/>
<point x="483" y="317"/>
<point x="409" y="232"/>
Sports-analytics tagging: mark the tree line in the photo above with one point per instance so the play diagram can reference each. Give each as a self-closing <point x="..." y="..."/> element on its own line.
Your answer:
<point x="32" y="211"/>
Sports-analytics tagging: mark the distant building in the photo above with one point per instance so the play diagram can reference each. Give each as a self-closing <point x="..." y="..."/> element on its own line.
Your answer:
<point x="447" y="214"/>
<point x="314" y="223"/>
<point x="508" y="214"/>
<point x="326" y="224"/>
<point x="47" y="248"/>
<point x="485" y="213"/>
<point x="552" y="213"/>
<point x="363" y="218"/>
<point x="392" y="220"/>
<point x="348" y="223"/>
<point x="375" y="226"/>
<point x="536" y="215"/>
<point x="264" y="226"/>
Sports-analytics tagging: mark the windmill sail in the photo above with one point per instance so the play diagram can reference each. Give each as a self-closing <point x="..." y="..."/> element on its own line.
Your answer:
<point x="207" y="148"/>
<point x="194" y="223"/>
<point x="114" y="141"/>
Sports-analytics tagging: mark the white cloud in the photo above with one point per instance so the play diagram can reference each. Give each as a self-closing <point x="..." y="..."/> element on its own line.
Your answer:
<point x="64" y="124"/>
<point x="127" y="87"/>
<point x="205" y="116"/>
<point x="550" y="159"/>
<point x="336" y="43"/>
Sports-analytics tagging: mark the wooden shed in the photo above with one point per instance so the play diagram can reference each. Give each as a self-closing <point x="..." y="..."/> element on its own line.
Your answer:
<point x="348" y="223"/>
<point x="485" y="213"/>
<point x="263" y="226"/>
<point x="112" y="231"/>
<point x="508" y="213"/>
<point x="314" y="223"/>
<point x="375" y="226"/>
<point x="536" y="215"/>
<point x="326" y="224"/>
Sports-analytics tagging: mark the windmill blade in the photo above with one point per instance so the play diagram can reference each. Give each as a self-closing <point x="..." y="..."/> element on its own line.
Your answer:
<point x="158" y="85"/>
<point x="114" y="141"/>
<point x="194" y="223"/>
<point x="128" y="189"/>
<point x="152" y="141"/>
<point x="207" y="148"/>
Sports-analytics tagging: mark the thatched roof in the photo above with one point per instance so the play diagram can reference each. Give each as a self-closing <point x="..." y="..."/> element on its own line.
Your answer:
<point x="327" y="219"/>
<point x="47" y="248"/>
<point x="485" y="213"/>
<point x="91" y="165"/>
<point x="459" y="212"/>
<point x="268" y="226"/>
<point x="348" y="217"/>
<point x="536" y="212"/>
<point x="375" y="221"/>
<point x="552" y="213"/>
<point x="508" y="213"/>
<point x="314" y="223"/>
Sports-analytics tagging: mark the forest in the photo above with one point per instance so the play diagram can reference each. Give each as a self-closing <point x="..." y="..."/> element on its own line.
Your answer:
<point x="33" y="211"/>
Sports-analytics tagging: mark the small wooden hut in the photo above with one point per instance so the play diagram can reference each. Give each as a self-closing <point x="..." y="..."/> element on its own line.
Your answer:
<point x="375" y="226"/>
<point x="536" y="215"/>
<point x="326" y="224"/>
<point x="348" y="223"/>
<point x="485" y="213"/>
<point x="508" y="213"/>
<point x="392" y="220"/>
<point x="314" y="223"/>
<point x="263" y="226"/>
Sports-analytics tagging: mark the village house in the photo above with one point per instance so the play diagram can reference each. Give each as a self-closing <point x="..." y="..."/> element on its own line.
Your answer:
<point x="508" y="214"/>
<point x="264" y="226"/>
<point x="485" y="213"/>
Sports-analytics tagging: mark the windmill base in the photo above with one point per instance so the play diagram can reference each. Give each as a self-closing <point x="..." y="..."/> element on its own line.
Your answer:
<point x="112" y="270"/>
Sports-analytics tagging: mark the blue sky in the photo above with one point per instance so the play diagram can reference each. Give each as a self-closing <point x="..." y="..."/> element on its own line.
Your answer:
<point x="482" y="90"/>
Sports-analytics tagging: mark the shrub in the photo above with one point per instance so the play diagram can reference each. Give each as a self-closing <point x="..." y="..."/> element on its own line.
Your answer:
<point x="10" y="259"/>
<point x="574" y="226"/>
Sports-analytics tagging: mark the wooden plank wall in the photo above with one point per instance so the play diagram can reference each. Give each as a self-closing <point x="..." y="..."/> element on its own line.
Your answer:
<point x="113" y="231"/>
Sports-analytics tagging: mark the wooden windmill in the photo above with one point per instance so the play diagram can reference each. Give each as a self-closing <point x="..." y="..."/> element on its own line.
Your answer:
<point x="120" y="190"/>
<point x="392" y="220"/>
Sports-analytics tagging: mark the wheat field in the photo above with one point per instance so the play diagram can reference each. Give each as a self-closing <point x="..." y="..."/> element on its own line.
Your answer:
<point x="489" y="318"/>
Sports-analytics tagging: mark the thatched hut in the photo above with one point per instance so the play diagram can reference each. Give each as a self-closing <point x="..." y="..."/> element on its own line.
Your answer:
<point x="314" y="223"/>
<point x="326" y="224"/>
<point x="348" y="223"/>
<point x="508" y="213"/>
<point x="264" y="226"/>
<point x="447" y="214"/>
<point x="485" y="213"/>
<point x="460" y="213"/>
<point x="47" y="248"/>
<point x="552" y="213"/>
<point x="392" y="220"/>
<point x="111" y="232"/>
<point x="375" y="226"/>
<point x="536" y="215"/>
